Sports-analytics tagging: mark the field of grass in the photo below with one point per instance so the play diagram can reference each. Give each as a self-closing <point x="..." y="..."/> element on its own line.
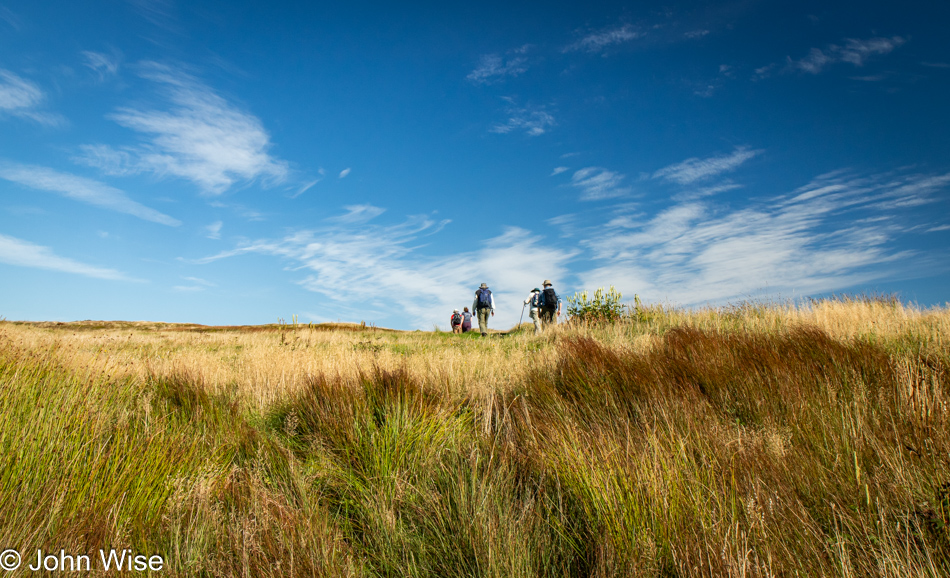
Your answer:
<point x="756" y="440"/>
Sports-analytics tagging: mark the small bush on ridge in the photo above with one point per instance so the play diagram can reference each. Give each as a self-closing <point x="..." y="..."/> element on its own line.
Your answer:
<point x="604" y="306"/>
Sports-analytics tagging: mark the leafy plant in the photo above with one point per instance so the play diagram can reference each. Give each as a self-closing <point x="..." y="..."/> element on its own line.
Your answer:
<point x="604" y="306"/>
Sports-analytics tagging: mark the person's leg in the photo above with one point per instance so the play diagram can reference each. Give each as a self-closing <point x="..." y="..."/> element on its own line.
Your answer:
<point x="535" y="316"/>
<point x="547" y="318"/>
<point x="483" y="320"/>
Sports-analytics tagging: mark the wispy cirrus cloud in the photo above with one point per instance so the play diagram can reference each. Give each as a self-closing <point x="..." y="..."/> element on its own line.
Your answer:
<point x="161" y="13"/>
<point x="197" y="285"/>
<point x="309" y="184"/>
<point x="359" y="214"/>
<point x="81" y="189"/>
<point x="22" y="253"/>
<point x="104" y="65"/>
<point x="599" y="41"/>
<point x="371" y="265"/>
<point x="532" y="120"/>
<point x="702" y="192"/>
<point x="213" y="231"/>
<point x="494" y="68"/>
<point x="598" y="183"/>
<point x="24" y="99"/>
<point x="697" y="169"/>
<point x="9" y="18"/>
<point x="200" y="137"/>
<point x="831" y="234"/>
<point x="854" y="51"/>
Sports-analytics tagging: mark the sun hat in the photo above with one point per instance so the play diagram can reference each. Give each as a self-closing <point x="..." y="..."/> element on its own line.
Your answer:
<point x="546" y="283"/>
<point x="535" y="290"/>
<point x="456" y="311"/>
<point x="483" y="286"/>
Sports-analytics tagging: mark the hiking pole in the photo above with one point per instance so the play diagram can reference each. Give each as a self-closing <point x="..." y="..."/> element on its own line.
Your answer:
<point x="522" y="315"/>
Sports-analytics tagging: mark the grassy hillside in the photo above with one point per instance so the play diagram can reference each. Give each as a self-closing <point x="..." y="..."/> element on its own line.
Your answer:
<point x="747" y="441"/>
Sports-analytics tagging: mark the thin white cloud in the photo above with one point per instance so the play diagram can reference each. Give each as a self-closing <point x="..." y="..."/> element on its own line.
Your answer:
<point x="81" y="189"/>
<point x="696" y="169"/>
<point x="200" y="281"/>
<point x="870" y="77"/>
<point x="532" y="120"/>
<point x="559" y="170"/>
<point x="371" y="265"/>
<point x="213" y="231"/>
<point x="104" y="65"/>
<point x="201" y="138"/>
<point x="308" y="185"/>
<point x="22" y="253"/>
<point x="696" y="34"/>
<point x="797" y="244"/>
<point x="197" y="285"/>
<point x="853" y="51"/>
<point x="359" y="214"/>
<point x="304" y="188"/>
<point x="161" y="13"/>
<point x="493" y="68"/>
<point x="935" y="64"/>
<point x="702" y="192"/>
<point x="9" y="17"/>
<point x="599" y="41"/>
<point x="598" y="183"/>
<point x="21" y="98"/>
<point x="345" y="172"/>
<point x="108" y="160"/>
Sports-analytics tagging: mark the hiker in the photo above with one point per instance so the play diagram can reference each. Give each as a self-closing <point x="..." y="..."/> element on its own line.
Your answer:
<point x="483" y="305"/>
<point x="466" y="320"/>
<point x="534" y="309"/>
<point x="456" y="321"/>
<point x="550" y="304"/>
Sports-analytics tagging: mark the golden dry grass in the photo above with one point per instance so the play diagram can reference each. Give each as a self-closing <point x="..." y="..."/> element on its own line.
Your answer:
<point x="751" y="440"/>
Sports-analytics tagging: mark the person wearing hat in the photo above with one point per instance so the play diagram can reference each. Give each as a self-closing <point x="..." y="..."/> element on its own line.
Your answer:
<point x="456" y="321"/>
<point x="534" y="311"/>
<point x="484" y="305"/>
<point x="550" y="304"/>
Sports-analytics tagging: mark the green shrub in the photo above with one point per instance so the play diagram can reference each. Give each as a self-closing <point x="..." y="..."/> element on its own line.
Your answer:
<point x="604" y="306"/>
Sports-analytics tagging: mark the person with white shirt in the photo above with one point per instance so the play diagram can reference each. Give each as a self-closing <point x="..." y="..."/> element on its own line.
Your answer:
<point x="534" y="308"/>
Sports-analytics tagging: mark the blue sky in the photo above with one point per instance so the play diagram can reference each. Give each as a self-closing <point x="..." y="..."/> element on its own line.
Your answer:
<point x="229" y="163"/>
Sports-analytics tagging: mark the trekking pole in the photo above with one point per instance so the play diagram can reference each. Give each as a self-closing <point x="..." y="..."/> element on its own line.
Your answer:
<point x="522" y="315"/>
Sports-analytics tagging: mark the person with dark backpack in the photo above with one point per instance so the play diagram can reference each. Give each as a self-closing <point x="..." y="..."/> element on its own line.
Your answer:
<point x="484" y="305"/>
<point x="534" y="311"/>
<point x="456" y="321"/>
<point x="550" y="304"/>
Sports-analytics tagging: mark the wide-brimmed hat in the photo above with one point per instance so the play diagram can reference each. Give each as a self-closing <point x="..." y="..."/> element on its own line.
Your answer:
<point x="456" y="311"/>
<point x="546" y="283"/>
<point x="535" y="290"/>
<point x="483" y="286"/>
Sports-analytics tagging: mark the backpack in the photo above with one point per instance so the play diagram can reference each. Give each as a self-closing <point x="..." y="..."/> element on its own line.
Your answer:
<point x="535" y="300"/>
<point x="484" y="298"/>
<point x="549" y="299"/>
<point x="456" y="318"/>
